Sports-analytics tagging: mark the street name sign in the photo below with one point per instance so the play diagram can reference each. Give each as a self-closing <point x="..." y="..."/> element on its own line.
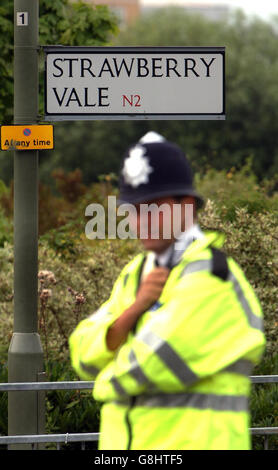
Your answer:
<point x="83" y="83"/>
<point x="35" y="137"/>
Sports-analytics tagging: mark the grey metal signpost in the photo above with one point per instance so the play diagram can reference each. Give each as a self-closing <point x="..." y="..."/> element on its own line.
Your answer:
<point x="25" y="357"/>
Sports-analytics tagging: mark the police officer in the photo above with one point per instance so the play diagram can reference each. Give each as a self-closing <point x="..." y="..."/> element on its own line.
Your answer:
<point x="172" y="349"/>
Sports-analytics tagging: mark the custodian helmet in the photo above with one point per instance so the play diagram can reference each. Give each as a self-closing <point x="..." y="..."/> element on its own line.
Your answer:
<point x="155" y="168"/>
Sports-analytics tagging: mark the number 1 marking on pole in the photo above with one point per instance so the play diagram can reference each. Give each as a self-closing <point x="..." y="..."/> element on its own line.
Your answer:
<point x="22" y="18"/>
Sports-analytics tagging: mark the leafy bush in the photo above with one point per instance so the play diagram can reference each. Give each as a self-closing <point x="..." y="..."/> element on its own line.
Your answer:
<point x="6" y="229"/>
<point x="234" y="189"/>
<point x="76" y="275"/>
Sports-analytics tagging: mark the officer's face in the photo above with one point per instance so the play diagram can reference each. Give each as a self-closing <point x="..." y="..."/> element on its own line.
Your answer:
<point x="161" y="220"/>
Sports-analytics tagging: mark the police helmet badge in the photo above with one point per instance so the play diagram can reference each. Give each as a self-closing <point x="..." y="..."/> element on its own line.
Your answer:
<point x="136" y="168"/>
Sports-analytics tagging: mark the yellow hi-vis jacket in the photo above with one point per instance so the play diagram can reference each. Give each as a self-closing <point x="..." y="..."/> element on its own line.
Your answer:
<point x="181" y="379"/>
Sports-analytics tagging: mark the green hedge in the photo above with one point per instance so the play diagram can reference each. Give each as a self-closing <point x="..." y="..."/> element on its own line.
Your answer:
<point x="76" y="276"/>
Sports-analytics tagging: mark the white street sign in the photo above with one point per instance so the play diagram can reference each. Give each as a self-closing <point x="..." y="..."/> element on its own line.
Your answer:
<point x="134" y="83"/>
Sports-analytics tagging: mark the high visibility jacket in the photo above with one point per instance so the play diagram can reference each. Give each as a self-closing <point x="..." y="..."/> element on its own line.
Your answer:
<point x="181" y="379"/>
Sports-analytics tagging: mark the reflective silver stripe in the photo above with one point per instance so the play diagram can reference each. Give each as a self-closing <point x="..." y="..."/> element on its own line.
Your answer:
<point x="167" y="354"/>
<point x="117" y="386"/>
<point x="138" y="374"/>
<point x="195" y="266"/>
<point x="135" y="369"/>
<point x="89" y="369"/>
<point x="125" y="279"/>
<point x="199" y="401"/>
<point x="243" y="367"/>
<point x="99" y="315"/>
<point x="205" y="265"/>
<point x="253" y="320"/>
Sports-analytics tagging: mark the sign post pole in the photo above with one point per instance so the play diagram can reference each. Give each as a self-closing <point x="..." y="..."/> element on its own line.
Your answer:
<point x="25" y="357"/>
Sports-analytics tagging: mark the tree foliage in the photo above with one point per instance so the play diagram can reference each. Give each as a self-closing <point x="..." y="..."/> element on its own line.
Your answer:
<point x="6" y="45"/>
<point x="75" y="23"/>
<point x="251" y="86"/>
<point x="60" y="22"/>
<point x="251" y="127"/>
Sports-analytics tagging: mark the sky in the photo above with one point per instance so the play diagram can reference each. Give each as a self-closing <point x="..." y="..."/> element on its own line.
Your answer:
<point x="264" y="8"/>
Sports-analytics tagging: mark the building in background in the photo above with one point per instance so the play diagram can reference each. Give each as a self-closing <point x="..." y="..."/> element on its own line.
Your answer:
<point x="126" y="10"/>
<point x="210" y="11"/>
<point x="129" y="10"/>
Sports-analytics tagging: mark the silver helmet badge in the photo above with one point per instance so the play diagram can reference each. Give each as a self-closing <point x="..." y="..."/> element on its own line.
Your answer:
<point x="136" y="167"/>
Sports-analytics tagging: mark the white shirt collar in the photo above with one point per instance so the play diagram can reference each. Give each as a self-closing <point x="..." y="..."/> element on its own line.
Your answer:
<point x="174" y="252"/>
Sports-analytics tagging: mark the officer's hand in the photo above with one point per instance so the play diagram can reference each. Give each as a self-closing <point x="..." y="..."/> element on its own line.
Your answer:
<point x="151" y="288"/>
<point x="148" y="293"/>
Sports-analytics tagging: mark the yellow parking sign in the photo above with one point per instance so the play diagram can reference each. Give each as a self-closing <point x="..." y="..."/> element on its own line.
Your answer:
<point x="35" y="137"/>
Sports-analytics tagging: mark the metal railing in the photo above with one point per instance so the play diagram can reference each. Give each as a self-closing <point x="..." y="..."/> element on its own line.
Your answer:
<point x="59" y="439"/>
<point x="90" y="437"/>
<point x="266" y="432"/>
<point x="38" y="386"/>
<point x="48" y="438"/>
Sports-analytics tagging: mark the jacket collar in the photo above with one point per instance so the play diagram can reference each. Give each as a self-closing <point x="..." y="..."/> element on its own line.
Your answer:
<point x="211" y="238"/>
<point x="174" y="253"/>
<point x="188" y="245"/>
